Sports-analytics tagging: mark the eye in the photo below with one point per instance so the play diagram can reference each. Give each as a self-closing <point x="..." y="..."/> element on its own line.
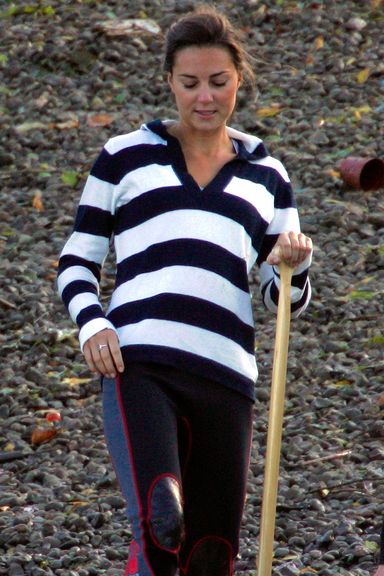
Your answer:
<point x="190" y="86"/>
<point x="218" y="84"/>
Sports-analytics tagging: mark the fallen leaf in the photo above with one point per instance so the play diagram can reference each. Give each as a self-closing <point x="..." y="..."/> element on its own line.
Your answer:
<point x="268" y="111"/>
<point x="363" y="75"/>
<point x="371" y="546"/>
<point x="319" y="42"/>
<point x="287" y="558"/>
<point x="77" y="503"/>
<point x="67" y="124"/>
<point x="324" y="492"/>
<point x="361" y="295"/>
<point x="100" y="120"/>
<point x="42" y="100"/>
<point x="309" y="60"/>
<point x="41" y="435"/>
<point x="37" y="202"/>
<point x="342" y="383"/>
<point x="333" y="173"/>
<point x="116" y="27"/>
<point x="76" y="381"/>
<point x="380" y="400"/>
<point x="28" y="126"/>
<point x="69" y="177"/>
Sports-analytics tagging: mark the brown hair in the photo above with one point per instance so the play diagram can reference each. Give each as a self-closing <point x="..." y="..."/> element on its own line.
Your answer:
<point x="207" y="27"/>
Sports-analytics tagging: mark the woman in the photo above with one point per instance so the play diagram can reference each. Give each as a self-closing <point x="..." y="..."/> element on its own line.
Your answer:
<point x="192" y="205"/>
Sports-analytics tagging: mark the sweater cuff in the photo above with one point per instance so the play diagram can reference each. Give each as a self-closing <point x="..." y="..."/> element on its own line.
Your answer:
<point x="92" y="327"/>
<point x="303" y="266"/>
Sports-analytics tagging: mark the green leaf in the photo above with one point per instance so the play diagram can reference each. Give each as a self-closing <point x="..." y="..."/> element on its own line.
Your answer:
<point x="371" y="546"/>
<point x="11" y="11"/>
<point x="3" y="58"/>
<point x="377" y="340"/>
<point x="48" y="11"/>
<point x="69" y="178"/>
<point x="121" y="98"/>
<point x="361" y="295"/>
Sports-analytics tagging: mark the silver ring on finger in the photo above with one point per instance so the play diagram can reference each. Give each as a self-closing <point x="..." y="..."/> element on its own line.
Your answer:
<point x="101" y="346"/>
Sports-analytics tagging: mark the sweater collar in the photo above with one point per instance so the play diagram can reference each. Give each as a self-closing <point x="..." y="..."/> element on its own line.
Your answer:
<point x="248" y="147"/>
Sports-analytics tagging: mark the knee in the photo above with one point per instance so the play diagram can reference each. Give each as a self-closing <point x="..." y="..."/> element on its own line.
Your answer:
<point x="166" y="513"/>
<point x="211" y="556"/>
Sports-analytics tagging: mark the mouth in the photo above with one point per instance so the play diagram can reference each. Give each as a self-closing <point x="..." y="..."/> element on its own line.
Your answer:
<point x="205" y="113"/>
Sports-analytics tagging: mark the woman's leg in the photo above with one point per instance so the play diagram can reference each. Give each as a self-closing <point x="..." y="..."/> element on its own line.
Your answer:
<point x="141" y="428"/>
<point x="214" y="484"/>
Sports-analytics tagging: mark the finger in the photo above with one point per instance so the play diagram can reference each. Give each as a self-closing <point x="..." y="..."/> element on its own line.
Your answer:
<point x="106" y="357"/>
<point x="98" y="353"/>
<point x="305" y="248"/>
<point x="275" y="255"/>
<point x="115" y="351"/>
<point x="293" y="252"/>
<point x="88" y="357"/>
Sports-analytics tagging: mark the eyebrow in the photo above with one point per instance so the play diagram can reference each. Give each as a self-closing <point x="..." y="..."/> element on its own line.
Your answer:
<point x="191" y="76"/>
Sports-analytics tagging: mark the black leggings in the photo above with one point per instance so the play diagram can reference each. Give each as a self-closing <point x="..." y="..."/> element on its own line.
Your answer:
<point x="180" y="446"/>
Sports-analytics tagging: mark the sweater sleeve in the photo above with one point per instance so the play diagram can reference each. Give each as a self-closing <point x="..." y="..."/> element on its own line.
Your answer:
<point x="83" y="255"/>
<point x="285" y="219"/>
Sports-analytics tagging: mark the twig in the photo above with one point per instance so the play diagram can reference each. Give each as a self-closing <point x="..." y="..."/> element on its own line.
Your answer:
<point x="325" y="458"/>
<point x="7" y="304"/>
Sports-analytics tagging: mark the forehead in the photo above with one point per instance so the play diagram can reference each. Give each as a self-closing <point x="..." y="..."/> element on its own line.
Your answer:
<point x="203" y="59"/>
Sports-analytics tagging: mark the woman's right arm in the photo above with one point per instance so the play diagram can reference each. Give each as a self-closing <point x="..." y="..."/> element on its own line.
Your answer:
<point x="80" y="266"/>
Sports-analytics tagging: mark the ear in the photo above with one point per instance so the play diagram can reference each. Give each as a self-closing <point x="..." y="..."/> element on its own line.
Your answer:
<point x="170" y="80"/>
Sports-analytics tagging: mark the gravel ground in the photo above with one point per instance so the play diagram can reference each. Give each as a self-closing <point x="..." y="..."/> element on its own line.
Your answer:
<point x="67" y="85"/>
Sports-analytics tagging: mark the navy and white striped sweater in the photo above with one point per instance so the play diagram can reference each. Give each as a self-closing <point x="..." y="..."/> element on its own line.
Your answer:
<point x="183" y="254"/>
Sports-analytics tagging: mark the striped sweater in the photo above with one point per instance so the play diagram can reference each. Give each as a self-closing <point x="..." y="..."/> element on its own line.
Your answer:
<point x="183" y="254"/>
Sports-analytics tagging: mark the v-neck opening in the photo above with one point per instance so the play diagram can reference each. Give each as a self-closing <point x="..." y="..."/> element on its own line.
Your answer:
<point x="180" y="166"/>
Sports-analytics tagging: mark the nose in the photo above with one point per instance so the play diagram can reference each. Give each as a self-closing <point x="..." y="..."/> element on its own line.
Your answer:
<point x="205" y="94"/>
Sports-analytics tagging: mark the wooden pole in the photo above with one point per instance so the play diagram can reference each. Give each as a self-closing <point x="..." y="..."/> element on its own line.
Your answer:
<point x="275" y="424"/>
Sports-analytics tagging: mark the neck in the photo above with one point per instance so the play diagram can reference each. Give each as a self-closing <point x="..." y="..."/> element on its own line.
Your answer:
<point x="202" y="143"/>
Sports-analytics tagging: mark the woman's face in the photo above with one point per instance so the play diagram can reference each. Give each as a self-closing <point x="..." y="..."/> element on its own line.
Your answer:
<point x="204" y="81"/>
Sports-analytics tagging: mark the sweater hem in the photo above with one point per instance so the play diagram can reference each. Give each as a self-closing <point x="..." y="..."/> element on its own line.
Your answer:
<point x="192" y="363"/>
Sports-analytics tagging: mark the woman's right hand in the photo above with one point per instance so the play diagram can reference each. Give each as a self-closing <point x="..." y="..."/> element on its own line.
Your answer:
<point x="102" y="353"/>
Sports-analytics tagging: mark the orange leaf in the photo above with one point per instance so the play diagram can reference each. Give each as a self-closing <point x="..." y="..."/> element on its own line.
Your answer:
<point x="37" y="201"/>
<point x="380" y="400"/>
<point x="333" y="173"/>
<point x="319" y="42"/>
<point x="76" y="381"/>
<point x="100" y="120"/>
<point x="66" y="124"/>
<point x="41" y="435"/>
<point x="268" y="111"/>
<point x="309" y="60"/>
<point x="363" y="75"/>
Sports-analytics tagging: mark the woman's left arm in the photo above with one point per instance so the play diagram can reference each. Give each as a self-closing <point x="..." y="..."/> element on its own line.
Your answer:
<point x="284" y="241"/>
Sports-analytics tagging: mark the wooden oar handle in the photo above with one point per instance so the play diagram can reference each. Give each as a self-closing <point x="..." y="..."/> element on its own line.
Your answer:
<point x="275" y="423"/>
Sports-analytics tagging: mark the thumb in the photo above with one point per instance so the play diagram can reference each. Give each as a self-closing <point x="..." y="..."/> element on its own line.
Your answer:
<point x="275" y="256"/>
